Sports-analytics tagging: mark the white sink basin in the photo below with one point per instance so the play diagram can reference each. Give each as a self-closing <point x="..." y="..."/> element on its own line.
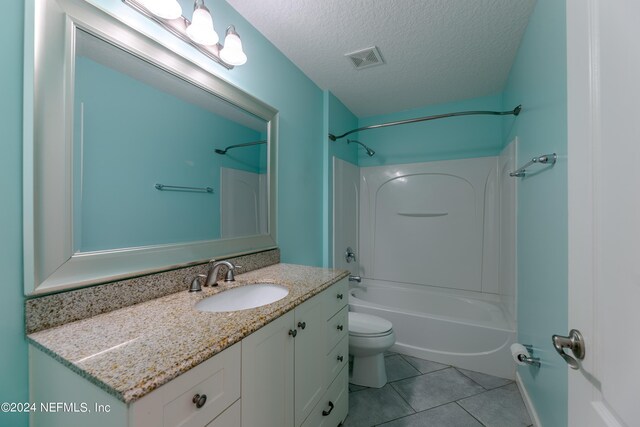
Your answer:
<point x="243" y="298"/>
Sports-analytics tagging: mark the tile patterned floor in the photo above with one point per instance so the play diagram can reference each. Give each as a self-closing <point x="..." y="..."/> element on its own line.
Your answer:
<point x="421" y="393"/>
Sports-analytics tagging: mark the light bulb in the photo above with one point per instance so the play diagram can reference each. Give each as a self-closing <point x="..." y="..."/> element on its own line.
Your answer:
<point x="232" y="52"/>
<point x="201" y="28"/>
<point x="166" y="9"/>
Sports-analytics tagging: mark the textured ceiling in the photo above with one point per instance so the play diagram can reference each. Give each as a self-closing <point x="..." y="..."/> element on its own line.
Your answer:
<point x="435" y="50"/>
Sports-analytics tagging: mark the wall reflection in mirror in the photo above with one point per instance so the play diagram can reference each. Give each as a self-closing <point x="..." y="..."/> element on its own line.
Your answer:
<point x="137" y="126"/>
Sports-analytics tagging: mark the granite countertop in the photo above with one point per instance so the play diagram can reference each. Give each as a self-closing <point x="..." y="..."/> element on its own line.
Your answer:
<point x="134" y="350"/>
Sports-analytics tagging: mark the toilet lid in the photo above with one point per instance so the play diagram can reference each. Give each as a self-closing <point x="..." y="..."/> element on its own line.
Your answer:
<point x="366" y="324"/>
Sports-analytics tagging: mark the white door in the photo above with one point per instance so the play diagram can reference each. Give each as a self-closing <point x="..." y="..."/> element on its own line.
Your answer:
<point x="604" y="209"/>
<point x="242" y="203"/>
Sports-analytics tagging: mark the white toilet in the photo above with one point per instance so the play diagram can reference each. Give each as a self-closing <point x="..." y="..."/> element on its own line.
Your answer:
<point x="369" y="337"/>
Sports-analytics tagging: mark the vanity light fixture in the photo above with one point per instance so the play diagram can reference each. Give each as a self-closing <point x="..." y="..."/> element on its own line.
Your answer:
<point x="165" y="9"/>
<point x="201" y="28"/>
<point x="197" y="32"/>
<point x="232" y="52"/>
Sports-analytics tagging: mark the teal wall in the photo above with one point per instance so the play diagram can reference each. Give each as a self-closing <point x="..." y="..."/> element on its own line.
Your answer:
<point x="271" y="77"/>
<point x="538" y="80"/>
<point x="13" y="352"/>
<point x="268" y="75"/>
<point x="134" y="136"/>
<point x="336" y="117"/>
<point x="452" y="138"/>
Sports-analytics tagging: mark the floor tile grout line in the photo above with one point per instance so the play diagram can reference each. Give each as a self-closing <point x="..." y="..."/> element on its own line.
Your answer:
<point x="424" y="373"/>
<point x="452" y="401"/>
<point x="407" y="362"/>
<point x="472" y="380"/>
<point x="502" y="386"/>
<point x="405" y="400"/>
<point x="471" y="395"/>
<point x="418" y="412"/>
<point x="470" y="414"/>
<point x="487" y="389"/>
<point x="405" y="378"/>
<point x="363" y="389"/>
<point x="419" y="373"/>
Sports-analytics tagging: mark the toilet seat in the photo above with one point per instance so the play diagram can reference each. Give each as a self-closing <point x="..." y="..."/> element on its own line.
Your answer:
<point x="366" y="325"/>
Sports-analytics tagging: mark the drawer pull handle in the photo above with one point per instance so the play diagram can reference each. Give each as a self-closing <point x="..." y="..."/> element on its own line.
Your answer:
<point x="293" y="332"/>
<point x="340" y="358"/>
<point x="340" y="327"/>
<point x="326" y="413"/>
<point x="302" y="325"/>
<point x="200" y="400"/>
<point x="339" y="296"/>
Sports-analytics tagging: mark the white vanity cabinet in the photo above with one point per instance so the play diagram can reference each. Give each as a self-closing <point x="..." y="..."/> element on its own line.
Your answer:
<point x="215" y="382"/>
<point x="292" y="372"/>
<point x="293" y="369"/>
<point x="267" y="375"/>
<point x="196" y="398"/>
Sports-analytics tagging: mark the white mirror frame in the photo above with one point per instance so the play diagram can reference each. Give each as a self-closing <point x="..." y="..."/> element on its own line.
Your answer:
<point x="49" y="262"/>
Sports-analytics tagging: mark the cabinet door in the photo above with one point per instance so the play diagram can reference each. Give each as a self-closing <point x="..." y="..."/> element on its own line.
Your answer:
<point x="310" y="356"/>
<point x="267" y="375"/>
<point x="229" y="418"/>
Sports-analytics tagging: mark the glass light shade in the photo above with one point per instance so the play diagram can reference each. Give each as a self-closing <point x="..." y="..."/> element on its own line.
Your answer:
<point x="201" y="28"/>
<point x="166" y="9"/>
<point x="232" y="52"/>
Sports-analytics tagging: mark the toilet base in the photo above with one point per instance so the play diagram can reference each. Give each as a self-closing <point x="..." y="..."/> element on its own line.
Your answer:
<point x="369" y="371"/>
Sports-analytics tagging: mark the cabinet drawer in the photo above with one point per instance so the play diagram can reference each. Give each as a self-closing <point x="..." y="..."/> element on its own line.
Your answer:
<point x="336" y="360"/>
<point x="337" y="297"/>
<point x="337" y="328"/>
<point x="172" y="404"/>
<point x="334" y="405"/>
<point x="229" y="418"/>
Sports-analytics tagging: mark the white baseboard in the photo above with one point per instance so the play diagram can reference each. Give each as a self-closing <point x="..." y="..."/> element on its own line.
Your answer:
<point x="527" y="402"/>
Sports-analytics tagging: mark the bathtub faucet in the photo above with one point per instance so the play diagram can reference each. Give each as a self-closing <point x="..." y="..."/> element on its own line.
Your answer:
<point x="355" y="278"/>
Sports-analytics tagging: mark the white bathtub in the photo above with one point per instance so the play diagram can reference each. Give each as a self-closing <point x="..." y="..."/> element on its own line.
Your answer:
<point x="442" y="326"/>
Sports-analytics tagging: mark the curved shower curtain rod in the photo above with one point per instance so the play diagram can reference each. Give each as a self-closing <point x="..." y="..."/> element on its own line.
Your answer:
<point x="515" y="112"/>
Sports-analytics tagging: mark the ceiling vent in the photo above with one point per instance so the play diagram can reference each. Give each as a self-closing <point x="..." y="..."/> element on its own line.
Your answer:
<point x="365" y="58"/>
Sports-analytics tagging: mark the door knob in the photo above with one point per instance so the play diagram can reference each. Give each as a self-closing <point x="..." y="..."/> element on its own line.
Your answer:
<point x="574" y="342"/>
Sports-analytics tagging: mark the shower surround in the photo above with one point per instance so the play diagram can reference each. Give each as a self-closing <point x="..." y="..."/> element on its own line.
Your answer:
<point x="436" y="245"/>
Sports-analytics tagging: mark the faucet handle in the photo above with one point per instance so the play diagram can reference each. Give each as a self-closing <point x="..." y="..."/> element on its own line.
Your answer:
<point x="195" y="283"/>
<point x="230" y="277"/>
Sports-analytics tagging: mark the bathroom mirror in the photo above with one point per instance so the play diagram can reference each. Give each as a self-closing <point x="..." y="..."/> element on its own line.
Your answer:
<point x="138" y="160"/>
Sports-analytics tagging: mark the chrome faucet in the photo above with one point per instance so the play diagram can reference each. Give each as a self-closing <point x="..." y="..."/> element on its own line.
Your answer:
<point x="195" y="284"/>
<point x="212" y="275"/>
<point x="353" y="278"/>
